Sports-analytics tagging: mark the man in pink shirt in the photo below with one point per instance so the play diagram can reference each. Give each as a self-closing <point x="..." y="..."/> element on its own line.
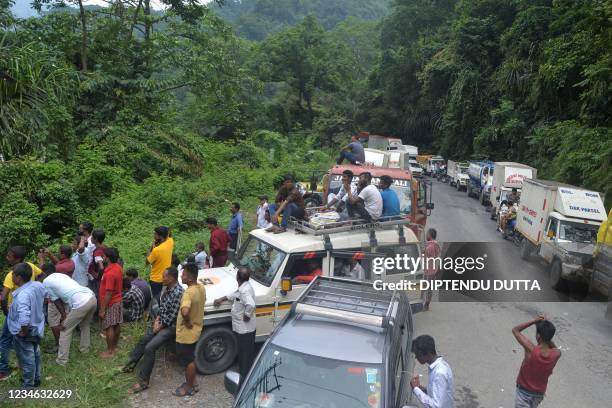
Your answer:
<point x="431" y="258"/>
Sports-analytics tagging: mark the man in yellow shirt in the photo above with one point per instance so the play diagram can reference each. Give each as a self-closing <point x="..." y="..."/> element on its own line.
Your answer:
<point x="160" y="258"/>
<point x="189" y="324"/>
<point x="14" y="256"/>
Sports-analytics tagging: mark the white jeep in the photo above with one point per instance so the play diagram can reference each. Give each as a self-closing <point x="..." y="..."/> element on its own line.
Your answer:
<point x="276" y="259"/>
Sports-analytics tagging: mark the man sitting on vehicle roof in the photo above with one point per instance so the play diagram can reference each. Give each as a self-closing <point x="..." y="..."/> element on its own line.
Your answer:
<point x="367" y="204"/>
<point x="290" y="203"/>
<point x="356" y="155"/>
<point x="390" y="202"/>
<point x="340" y="199"/>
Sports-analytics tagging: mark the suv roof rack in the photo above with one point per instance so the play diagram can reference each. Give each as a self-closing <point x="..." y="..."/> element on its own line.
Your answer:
<point x="347" y="300"/>
<point x="356" y="225"/>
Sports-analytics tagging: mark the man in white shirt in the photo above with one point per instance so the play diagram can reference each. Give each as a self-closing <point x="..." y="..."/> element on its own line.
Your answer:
<point x="243" y="320"/>
<point x="440" y="385"/>
<point x="340" y="198"/>
<point x="367" y="204"/>
<point x="261" y="211"/>
<point x="63" y="290"/>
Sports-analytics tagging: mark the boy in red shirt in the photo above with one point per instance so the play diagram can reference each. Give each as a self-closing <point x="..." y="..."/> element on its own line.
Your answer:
<point x="111" y="309"/>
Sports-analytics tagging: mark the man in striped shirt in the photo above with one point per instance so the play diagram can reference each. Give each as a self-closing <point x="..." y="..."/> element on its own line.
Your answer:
<point x="133" y="302"/>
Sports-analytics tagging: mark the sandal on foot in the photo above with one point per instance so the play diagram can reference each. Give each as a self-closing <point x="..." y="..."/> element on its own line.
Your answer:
<point x="138" y="387"/>
<point x="182" y="392"/>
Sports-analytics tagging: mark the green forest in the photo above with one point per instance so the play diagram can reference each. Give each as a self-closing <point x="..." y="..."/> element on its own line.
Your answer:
<point x="130" y="117"/>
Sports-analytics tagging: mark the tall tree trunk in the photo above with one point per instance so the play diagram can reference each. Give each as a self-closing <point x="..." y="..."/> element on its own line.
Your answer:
<point x="135" y="19"/>
<point x="148" y="27"/>
<point x="83" y="18"/>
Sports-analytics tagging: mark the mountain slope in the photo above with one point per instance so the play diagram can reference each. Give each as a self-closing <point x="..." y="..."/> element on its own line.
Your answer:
<point x="255" y="19"/>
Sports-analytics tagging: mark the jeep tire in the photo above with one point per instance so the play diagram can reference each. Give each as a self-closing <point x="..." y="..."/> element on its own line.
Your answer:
<point x="216" y="350"/>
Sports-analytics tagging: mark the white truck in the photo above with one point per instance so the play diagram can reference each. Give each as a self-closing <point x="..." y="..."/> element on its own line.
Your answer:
<point x="457" y="174"/>
<point x="276" y="260"/>
<point x="559" y="223"/>
<point x="508" y="176"/>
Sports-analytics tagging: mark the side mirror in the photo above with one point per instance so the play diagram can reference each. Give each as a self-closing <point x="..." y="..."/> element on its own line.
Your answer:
<point x="231" y="381"/>
<point x="286" y="286"/>
<point x="429" y="206"/>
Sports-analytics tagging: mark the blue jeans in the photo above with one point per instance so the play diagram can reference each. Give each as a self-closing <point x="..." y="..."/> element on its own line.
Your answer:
<point x="348" y="156"/>
<point x="28" y="355"/>
<point x="291" y="210"/>
<point x="526" y="399"/>
<point x="6" y="344"/>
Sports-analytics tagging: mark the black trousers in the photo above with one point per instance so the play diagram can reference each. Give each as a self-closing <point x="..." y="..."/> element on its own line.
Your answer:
<point x="358" y="209"/>
<point x="146" y="348"/>
<point x="246" y="353"/>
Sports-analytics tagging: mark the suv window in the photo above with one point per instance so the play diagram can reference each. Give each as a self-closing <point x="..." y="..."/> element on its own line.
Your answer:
<point x="352" y="265"/>
<point x="263" y="259"/>
<point x="303" y="267"/>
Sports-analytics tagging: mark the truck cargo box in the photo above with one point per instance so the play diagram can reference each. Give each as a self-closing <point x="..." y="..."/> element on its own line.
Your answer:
<point x="540" y="197"/>
<point x="511" y="175"/>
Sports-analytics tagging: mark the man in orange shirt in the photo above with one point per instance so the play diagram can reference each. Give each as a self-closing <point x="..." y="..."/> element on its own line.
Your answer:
<point x="160" y="258"/>
<point x="111" y="308"/>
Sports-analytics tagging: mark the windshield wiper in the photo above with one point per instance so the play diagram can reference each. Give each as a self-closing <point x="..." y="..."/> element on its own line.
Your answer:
<point x="326" y="389"/>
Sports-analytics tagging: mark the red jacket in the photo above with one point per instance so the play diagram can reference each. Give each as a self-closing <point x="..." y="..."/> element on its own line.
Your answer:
<point x="219" y="240"/>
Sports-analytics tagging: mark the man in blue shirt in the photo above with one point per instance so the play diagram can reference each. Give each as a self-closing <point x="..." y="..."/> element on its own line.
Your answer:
<point x="26" y="322"/>
<point x="391" y="204"/>
<point x="235" y="227"/>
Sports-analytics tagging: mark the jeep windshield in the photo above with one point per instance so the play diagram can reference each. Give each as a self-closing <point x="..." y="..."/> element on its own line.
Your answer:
<point x="575" y="232"/>
<point x="401" y="188"/>
<point x="290" y="379"/>
<point x="263" y="259"/>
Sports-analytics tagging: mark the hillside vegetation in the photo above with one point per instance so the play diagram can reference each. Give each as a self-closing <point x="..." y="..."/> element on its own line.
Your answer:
<point x="256" y="19"/>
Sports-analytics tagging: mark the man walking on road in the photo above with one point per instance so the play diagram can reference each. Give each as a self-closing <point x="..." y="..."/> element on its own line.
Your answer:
<point x="440" y="383"/>
<point x="538" y="362"/>
<point x="430" y="256"/>
<point x="243" y="320"/>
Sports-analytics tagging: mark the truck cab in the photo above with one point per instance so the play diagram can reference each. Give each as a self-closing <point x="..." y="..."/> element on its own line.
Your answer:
<point x="343" y="344"/>
<point x="283" y="264"/>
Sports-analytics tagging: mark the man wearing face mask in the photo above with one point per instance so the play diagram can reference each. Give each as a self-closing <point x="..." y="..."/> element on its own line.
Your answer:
<point x="243" y="320"/>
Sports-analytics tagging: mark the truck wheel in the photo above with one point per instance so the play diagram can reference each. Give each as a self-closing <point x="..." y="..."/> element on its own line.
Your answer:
<point x="468" y="190"/>
<point x="216" y="350"/>
<point x="556" y="279"/>
<point x="525" y="249"/>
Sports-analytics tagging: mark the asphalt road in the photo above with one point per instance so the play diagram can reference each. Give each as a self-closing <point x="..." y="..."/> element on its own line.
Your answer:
<point x="475" y="336"/>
